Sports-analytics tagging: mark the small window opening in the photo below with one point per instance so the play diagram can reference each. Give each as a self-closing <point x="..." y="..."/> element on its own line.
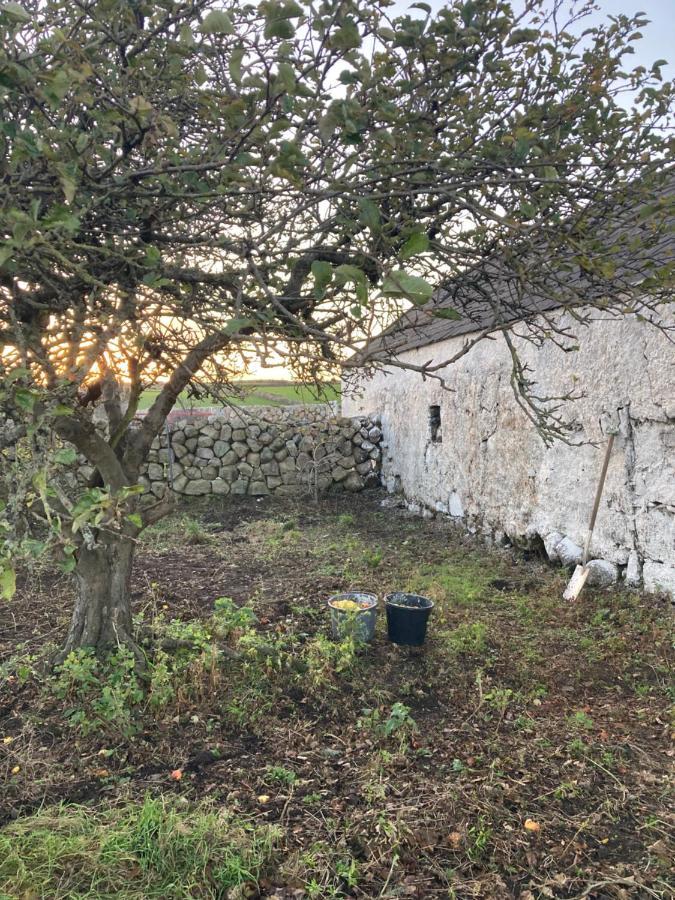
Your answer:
<point x="435" y="424"/>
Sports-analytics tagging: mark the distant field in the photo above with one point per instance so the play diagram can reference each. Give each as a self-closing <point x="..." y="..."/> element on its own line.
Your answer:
<point x="256" y="393"/>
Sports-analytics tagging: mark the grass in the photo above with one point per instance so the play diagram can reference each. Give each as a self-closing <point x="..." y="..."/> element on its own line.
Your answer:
<point x="254" y="393"/>
<point x="160" y="848"/>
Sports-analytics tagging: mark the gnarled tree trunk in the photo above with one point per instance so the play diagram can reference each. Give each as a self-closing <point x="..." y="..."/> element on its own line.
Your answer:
<point x="102" y="615"/>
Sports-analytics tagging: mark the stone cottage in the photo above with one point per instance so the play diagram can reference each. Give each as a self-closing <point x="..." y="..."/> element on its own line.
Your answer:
<point x="467" y="450"/>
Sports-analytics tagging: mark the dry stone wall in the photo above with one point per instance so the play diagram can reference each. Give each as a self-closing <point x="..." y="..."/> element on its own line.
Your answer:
<point x="266" y="450"/>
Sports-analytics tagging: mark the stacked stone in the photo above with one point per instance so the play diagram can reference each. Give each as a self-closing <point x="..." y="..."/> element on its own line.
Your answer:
<point x="269" y="451"/>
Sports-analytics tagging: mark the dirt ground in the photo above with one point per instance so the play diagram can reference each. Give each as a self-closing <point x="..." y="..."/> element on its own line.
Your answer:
<point x="524" y="751"/>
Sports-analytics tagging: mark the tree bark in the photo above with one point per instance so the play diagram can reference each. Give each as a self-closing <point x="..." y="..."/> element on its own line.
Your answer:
<point x="102" y="614"/>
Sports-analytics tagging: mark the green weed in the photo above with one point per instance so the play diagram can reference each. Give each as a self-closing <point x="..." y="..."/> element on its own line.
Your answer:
<point x="99" y="693"/>
<point x="479" y="836"/>
<point x="470" y="638"/>
<point x="281" y="775"/>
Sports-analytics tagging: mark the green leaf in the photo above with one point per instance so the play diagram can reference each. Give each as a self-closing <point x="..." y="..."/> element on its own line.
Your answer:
<point x="7" y="582"/>
<point x="34" y="547"/>
<point x="416" y="243"/>
<point x="400" y="284"/>
<point x="328" y="126"/>
<point x="277" y="15"/>
<point x="135" y="519"/>
<point x="217" y="22"/>
<point x="139" y="105"/>
<point x="60" y="216"/>
<point x="15" y="11"/>
<point x="66" y="456"/>
<point x="287" y="76"/>
<point x="236" y="59"/>
<point x="68" y="564"/>
<point x="153" y="257"/>
<point x="323" y="273"/>
<point x="234" y="326"/>
<point x="279" y="28"/>
<point x="369" y="214"/>
<point x="15" y="374"/>
<point x="346" y="37"/>
<point x="467" y="11"/>
<point x="347" y="273"/>
<point x="57" y="86"/>
<point x="25" y="398"/>
<point x="522" y="36"/>
<point x="68" y="185"/>
<point x="528" y="210"/>
<point x="446" y="312"/>
<point x="186" y="36"/>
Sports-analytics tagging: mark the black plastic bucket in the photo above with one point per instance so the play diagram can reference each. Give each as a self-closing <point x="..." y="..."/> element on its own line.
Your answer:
<point x="407" y="616"/>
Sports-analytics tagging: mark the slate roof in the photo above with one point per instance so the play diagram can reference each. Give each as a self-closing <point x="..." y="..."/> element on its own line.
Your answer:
<point x="489" y="296"/>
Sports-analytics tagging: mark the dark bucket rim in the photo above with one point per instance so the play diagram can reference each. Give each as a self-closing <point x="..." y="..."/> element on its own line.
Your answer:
<point x="352" y="595"/>
<point x="429" y="604"/>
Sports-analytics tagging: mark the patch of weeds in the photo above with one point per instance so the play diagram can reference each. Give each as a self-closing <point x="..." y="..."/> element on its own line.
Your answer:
<point x="524" y="724"/>
<point x="273" y="538"/>
<point x="581" y="721"/>
<point x="601" y="617"/>
<point x="173" y="532"/>
<point x="566" y="790"/>
<point x="312" y="613"/>
<point x="479" y="837"/>
<point x="533" y="656"/>
<point x="461" y="583"/>
<point x="152" y="850"/>
<point x="281" y="775"/>
<point x="323" y="659"/>
<point x="229" y="618"/>
<point x="591" y="647"/>
<point x="398" y="722"/>
<point x="324" y="870"/>
<point x="195" y="533"/>
<point x="524" y="609"/>
<point x="346" y="519"/>
<point x="469" y="638"/>
<point x="20" y="666"/>
<point x="577" y="747"/>
<point x="537" y="692"/>
<point x="100" y="693"/>
<point x="500" y="698"/>
<point x="372" y="558"/>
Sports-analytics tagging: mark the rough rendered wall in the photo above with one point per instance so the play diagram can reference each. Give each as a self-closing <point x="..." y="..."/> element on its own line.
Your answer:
<point x="492" y="471"/>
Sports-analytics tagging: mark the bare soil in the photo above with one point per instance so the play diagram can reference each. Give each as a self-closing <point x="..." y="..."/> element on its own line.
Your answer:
<point x="536" y="755"/>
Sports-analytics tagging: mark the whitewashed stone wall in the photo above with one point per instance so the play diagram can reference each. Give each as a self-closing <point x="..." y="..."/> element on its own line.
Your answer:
<point x="492" y="472"/>
<point x="265" y="450"/>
